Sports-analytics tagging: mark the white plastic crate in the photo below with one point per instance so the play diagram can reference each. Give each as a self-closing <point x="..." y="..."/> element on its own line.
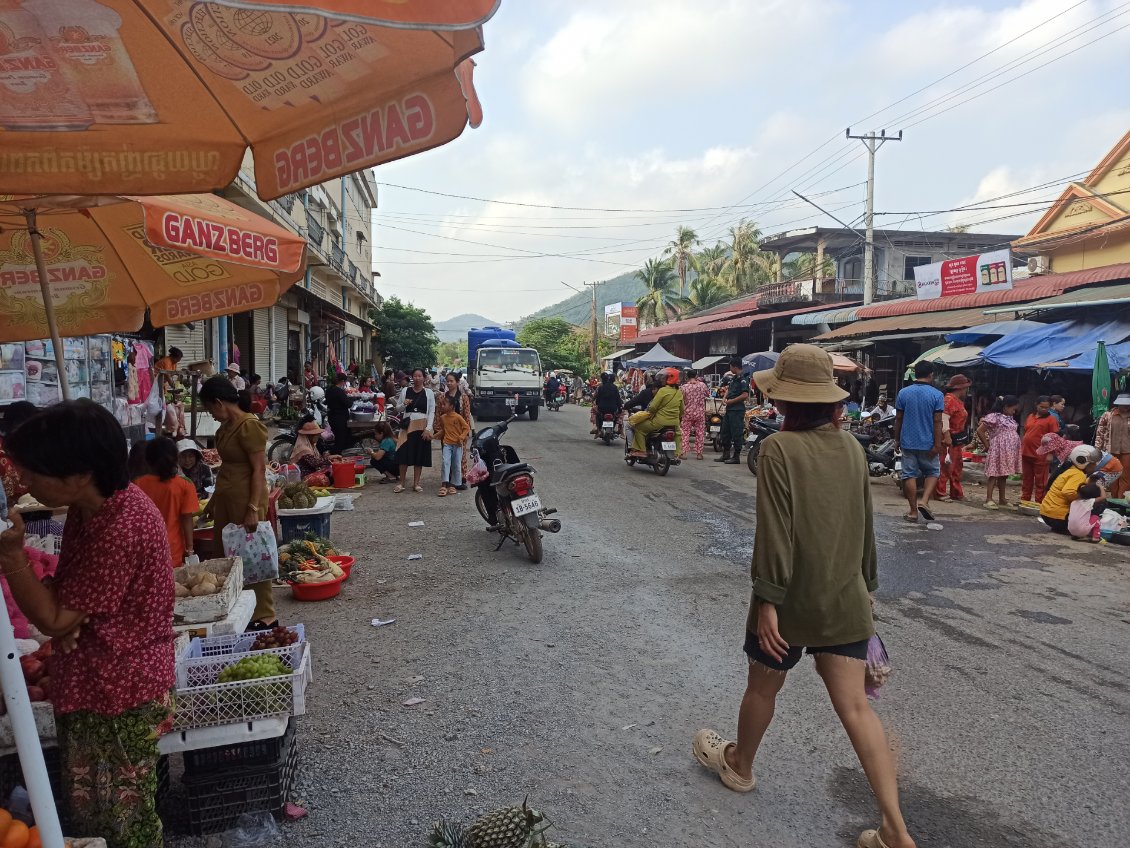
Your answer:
<point x="195" y="739"/>
<point x="236" y="643"/>
<point x="202" y="702"/>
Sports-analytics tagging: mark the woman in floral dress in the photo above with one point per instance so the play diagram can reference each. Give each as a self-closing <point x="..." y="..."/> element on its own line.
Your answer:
<point x="998" y="431"/>
<point x="109" y="612"/>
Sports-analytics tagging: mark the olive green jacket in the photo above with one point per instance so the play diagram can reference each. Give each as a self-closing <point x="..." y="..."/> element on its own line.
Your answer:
<point x="814" y="552"/>
<point x="667" y="407"/>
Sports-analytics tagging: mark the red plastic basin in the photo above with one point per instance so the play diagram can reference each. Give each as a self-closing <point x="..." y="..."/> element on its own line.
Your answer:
<point x="316" y="591"/>
<point x="346" y="563"/>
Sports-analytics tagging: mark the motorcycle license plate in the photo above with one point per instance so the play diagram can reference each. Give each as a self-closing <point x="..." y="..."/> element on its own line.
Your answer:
<point x="512" y="401"/>
<point x="715" y="429"/>
<point x="667" y="446"/>
<point x="608" y="425"/>
<point x="522" y="506"/>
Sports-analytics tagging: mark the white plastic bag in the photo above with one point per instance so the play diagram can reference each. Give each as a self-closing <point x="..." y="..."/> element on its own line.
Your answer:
<point x="1112" y="521"/>
<point x="258" y="550"/>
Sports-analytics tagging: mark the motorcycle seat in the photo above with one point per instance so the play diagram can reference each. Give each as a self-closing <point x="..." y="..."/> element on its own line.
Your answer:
<point x="864" y="438"/>
<point x="501" y="472"/>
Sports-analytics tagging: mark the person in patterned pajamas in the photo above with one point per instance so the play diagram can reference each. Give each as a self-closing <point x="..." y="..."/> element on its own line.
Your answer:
<point x="694" y="413"/>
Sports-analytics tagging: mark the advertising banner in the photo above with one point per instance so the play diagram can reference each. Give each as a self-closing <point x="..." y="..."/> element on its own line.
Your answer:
<point x="620" y="321"/>
<point x="968" y="275"/>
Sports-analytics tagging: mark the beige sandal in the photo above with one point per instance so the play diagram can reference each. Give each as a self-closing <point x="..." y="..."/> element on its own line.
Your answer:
<point x="870" y="839"/>
<point x="710" y="750"/>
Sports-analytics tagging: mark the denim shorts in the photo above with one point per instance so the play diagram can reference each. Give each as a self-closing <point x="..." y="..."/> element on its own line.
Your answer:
<point x="854" y="650"/>
<point x="917" y="464"/>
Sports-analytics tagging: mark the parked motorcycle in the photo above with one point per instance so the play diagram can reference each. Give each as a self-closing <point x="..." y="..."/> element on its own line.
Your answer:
<point x="759" y="430"/>
<point x="520" y="515"/>
<point x="714" y="430"/>
<point x="662" y="452"/>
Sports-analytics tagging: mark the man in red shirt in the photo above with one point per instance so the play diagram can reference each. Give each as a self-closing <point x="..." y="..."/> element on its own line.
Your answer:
<point x="954" y="437"/>
<point x="1033" y="464"/>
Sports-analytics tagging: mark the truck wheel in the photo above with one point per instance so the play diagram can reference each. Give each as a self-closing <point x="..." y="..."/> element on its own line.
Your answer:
<point x="534" y="410"/>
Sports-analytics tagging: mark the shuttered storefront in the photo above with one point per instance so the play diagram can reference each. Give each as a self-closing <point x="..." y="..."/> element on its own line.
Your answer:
<point x="191" y="341"/>
<point x="261" y="343"/>
<point x="278" y="343"/>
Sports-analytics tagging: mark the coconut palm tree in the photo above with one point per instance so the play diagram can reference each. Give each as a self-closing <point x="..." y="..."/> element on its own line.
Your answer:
<point x="681" y="251"/>
<point x="658" y="304"/>
<point x="749" y="266"/>
<point x="711" y="260"/>
<point x="705" y="293"/>
<point x="803" y="267"/>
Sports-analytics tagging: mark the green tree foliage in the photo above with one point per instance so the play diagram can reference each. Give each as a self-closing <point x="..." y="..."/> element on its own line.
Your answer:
<point x="803" y="266"/>
<point x="681" y="251"/>
<point x="453" y="353"/>
<point x="706" y="292"/>
<point x="406" y="336"/>
<point x="660" y="303"/>
<point x="749" y="267"/>
<point x="559" y="343"/>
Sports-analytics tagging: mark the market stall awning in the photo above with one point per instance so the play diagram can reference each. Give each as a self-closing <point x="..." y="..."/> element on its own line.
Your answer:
<point x="706" y="362"/>
<point x="1053" y="343"/>
<point x="997" y="328"/>
<point x="617" y="354"/>
<point x="1118" y="358"/>
<point x="952" y="356"/>
<point x="745" y="321"/>
<point x="1080" y="298"/>
<point x="839" y="315"/>
<point x="659" y="357"/>
<point x="955" y="319"/>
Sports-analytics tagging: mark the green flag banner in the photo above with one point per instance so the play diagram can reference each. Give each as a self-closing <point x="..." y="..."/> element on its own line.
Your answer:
<point x="1100" y="383"/>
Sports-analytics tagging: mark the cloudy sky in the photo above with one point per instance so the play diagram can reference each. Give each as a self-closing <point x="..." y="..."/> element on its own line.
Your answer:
<point x="719" y="108"/>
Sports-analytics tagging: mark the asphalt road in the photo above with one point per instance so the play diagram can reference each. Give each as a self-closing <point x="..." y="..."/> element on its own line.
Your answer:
<point x="579" y="682"/>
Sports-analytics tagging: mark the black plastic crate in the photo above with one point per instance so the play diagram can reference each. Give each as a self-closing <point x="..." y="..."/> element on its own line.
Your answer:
<point x="256" y="754"/>
<point x="216" y="800"/>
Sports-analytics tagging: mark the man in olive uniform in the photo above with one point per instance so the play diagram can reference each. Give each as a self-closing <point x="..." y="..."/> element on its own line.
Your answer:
<point x="733" y="422"/>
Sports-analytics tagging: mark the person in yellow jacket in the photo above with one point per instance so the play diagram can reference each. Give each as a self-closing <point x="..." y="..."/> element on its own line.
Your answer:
<point x="1057" y="502"/>
<point x="665" y="410"/>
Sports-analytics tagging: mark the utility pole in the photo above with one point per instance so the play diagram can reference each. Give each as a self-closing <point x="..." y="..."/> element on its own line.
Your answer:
<point x="872" y="142"/>
<point x="595" y="345"/>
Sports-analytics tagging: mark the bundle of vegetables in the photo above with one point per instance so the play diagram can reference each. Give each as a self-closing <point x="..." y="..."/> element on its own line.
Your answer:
<point x="302" y="546"/>
<point x="300" y="562"/>
<point x="297" y="496"/>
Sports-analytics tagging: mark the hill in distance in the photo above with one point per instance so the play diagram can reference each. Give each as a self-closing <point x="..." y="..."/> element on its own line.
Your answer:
<point x="455" y="329"/>
<point x="577" y="309"/>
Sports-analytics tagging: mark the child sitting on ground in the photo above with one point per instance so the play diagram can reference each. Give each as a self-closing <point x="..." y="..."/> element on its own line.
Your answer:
<point x="1083" y="515"/>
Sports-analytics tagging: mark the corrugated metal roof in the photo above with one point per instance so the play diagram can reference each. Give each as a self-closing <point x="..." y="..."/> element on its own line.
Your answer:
<point x="1086" y="295"/>
<point x="749" y="320"/>
<point x="840" y="315"/>
<point x="955" y="319"/>
<point x="1033" y="288"/>
<point x="678" y="328"/>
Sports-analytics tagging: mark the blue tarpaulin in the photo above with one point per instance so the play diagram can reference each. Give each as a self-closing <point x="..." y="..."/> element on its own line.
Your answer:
<point x="1118" y="358"/>
<point x="998" y="328"/>
<point x="1053" y="343"/>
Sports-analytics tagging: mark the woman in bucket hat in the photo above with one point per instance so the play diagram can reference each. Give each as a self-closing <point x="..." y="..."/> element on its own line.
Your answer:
<point x="814" y="563"/>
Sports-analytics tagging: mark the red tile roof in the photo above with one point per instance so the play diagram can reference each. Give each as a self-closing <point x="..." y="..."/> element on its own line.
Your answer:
<point x="746" y="321"/>
<point x="1033" y="288"/>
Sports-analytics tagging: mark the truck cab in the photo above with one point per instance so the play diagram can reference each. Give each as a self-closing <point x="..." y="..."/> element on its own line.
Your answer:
<point x="506" y="380"/>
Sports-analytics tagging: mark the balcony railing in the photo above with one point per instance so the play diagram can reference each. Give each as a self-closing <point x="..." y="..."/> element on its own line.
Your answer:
<point x="315" y="232"/>
<point x="337" y="258"/>
<point x="351" y="273"/>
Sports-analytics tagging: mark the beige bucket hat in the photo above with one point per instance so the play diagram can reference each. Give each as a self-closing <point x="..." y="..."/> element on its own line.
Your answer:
<point x="803" y="374"/>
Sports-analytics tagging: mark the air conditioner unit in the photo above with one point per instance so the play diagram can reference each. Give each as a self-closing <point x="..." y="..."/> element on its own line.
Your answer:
<point x="1039" y="265"/>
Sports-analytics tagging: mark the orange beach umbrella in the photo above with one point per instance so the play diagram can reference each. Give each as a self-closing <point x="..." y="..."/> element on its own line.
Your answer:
<point x="78" y="265"/>
<point x="140" y="97"/>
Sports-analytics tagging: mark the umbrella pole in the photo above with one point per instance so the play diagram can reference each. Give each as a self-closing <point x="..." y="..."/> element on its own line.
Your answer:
<point x="48" y="306"/>
<point x="28" y="746"/>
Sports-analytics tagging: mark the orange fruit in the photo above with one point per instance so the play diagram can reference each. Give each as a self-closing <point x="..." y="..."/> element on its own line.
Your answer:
<point x="5" y="822"/>
<point x="33" y="840"/>
<point x="17" y="835"/>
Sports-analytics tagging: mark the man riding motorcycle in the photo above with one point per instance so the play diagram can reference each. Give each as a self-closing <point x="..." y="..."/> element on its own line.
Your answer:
<point x="552" y="387"/>
<point x="606" y="401"/>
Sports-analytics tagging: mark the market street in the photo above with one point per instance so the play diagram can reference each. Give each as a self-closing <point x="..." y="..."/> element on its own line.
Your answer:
<point x="579" y="682"/>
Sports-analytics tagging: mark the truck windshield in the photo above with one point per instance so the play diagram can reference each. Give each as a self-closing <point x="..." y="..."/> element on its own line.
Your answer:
<point x="502" y="360"/>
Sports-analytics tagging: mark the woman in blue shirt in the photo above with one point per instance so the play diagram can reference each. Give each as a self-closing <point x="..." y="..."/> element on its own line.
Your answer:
<point x="384" y="457"/>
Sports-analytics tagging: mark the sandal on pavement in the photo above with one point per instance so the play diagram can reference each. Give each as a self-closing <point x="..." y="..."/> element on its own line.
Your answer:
<point x="870" y="839"/>
<point x="925" y="513"/>
<point x="443" y="492"/>
<point x="913" y="519"/>
<point x="398" y="490"/>
<point x="417" y="488"/>
<point x="990" y="505"/>
<point x="709" y="749"/>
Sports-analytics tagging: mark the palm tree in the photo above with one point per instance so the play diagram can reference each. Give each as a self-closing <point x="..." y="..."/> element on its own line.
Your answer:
<point x="711" y="260"/>
<point x="681" y="251"/>
<point x="749" y="266"/>
<point x="804" y="267"/>
<point x="705" y="293"/>
<point x="659" y="303"/>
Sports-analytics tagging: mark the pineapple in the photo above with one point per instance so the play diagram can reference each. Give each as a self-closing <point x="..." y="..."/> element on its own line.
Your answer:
<point x="508" y="827"/>
<point x="447" y="834"/>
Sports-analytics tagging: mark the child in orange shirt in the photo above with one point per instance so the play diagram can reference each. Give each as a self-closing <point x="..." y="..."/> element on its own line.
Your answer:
<point x="452" y="429"/>
<point x="174" y="495"/>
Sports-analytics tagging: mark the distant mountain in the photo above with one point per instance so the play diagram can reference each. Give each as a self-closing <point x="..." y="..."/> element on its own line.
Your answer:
<point x="455" y="329"/>
<point x="577" y="309"/>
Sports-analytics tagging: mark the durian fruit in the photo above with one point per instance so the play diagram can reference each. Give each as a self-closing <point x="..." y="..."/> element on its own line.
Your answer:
<point x="508" y="827"/>
<point x="447" y="834"/>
